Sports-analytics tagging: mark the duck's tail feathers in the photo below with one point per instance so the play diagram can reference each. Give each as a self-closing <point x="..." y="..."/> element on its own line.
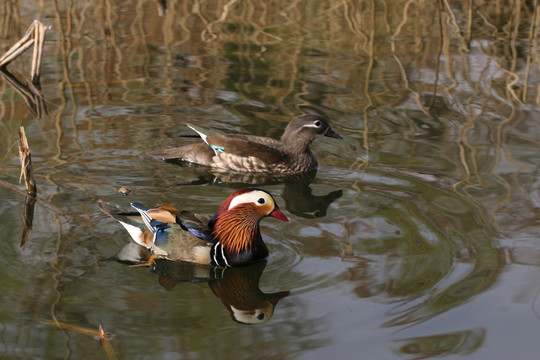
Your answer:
<point x="130" y="220"/>
<point x="143" y="212"/>
<point x="116" y="211"/>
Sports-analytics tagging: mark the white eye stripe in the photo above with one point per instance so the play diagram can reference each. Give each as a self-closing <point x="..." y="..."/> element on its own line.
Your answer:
<point x="250" y="197"/>
<point x="313" y="125"/>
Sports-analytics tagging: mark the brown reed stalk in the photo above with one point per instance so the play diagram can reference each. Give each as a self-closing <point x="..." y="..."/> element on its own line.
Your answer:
<point x="26" y="164"/>
<point x="35" y="35"/>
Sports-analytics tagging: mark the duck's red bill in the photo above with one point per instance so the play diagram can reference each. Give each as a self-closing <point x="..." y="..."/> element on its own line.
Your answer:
<point x="278" y="214"/>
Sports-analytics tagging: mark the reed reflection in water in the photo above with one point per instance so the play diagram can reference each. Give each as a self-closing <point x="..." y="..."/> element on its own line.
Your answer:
<point x="416" y="237"/>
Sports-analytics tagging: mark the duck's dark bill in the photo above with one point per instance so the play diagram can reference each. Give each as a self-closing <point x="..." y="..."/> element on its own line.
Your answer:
<point x="331" y="133"/>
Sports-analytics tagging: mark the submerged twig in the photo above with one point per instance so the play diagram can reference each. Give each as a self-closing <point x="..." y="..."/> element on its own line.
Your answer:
<point x="104" y="339"/>
<point x="99" y="334"/>
<point x="70" y="327"/>
<point x="28" y="219"/>
<point x="43" y="202"/>
<point x="35" y="35"/>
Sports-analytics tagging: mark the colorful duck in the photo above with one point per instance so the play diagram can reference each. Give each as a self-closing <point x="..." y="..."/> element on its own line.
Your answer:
<point x="231" y="237"/>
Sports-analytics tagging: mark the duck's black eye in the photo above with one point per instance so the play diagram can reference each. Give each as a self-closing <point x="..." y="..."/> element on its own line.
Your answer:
<point x="261" y="201"/>
<point x="317" y="123"/>
<point x="260" y="316"/>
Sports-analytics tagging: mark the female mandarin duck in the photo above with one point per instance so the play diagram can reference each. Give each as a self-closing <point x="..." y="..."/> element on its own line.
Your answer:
<point x="231" y="237"/>
<point x="249" y="153"/>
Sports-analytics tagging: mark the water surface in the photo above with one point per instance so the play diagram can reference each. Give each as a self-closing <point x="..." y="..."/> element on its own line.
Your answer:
<point x="416" y="238"/>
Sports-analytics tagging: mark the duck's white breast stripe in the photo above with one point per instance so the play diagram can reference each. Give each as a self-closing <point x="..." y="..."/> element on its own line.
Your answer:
<point x="220" y="258"/>
<point x="223" y="256"/>
<point x="215" y="258"/>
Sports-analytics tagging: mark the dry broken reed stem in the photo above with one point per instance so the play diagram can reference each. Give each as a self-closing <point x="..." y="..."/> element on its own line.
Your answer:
<point x="26" y="164"/>
<point x="35" y="35"/>
<point x="39" y="34"/>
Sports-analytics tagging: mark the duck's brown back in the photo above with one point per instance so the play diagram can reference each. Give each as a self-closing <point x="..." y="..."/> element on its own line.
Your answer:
<point x="243" y="153"/>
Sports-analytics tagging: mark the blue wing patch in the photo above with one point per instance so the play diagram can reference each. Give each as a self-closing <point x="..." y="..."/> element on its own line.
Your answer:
<point x="217" y="149"/>
<point x="160" y="234"/>
<point x="196" y="229"/>
<point x="201" y="234"/>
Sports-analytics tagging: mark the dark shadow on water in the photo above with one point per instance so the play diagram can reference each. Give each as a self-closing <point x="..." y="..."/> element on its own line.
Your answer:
<point x="297" y="193"/>
<point x="29" y="92"/>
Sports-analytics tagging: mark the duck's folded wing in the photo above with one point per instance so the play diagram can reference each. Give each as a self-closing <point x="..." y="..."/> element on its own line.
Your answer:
<point x="196" y="225"/>
<point x="199" y="153"/>
<point x="173" y="242"/>
<point x="249" y="146"/>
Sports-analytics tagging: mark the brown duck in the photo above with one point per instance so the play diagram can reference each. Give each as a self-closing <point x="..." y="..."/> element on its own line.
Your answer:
<point x="250" y="153"/>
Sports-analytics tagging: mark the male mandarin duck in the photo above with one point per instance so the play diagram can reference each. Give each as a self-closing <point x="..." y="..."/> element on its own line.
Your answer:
<point x="231" y="237"/>
<point x="250" y="153"/>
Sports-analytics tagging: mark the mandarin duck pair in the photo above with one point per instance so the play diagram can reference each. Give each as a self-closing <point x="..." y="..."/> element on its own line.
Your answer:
<point x="231" y="237"/>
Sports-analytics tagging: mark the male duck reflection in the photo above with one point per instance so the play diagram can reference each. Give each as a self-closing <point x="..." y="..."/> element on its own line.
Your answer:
<point x="237" y="288"/>
<point x="249" y="153"/>
<point x="231" y="237"/>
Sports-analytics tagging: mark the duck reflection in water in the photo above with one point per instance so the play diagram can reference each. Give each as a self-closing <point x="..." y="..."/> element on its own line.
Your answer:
<point x="237" y="288"/>
<point x="297" y="192"/>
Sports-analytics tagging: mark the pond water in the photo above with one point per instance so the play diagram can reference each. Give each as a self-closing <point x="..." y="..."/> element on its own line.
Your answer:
<point x="417" y="237"/>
